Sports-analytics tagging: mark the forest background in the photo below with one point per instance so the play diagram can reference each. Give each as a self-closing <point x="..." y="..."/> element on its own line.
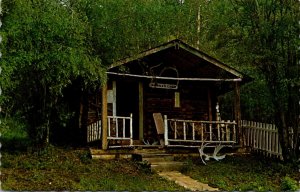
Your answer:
<point x="50" y="46"/>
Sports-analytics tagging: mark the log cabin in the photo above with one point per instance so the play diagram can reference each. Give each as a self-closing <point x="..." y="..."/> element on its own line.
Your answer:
<point x="165" y="96"/>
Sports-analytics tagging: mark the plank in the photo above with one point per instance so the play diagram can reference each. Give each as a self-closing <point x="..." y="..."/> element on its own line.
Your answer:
<point x="159" y="123"/>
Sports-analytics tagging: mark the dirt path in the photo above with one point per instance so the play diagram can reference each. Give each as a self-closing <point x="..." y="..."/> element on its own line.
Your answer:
<point x="186" y="181"/>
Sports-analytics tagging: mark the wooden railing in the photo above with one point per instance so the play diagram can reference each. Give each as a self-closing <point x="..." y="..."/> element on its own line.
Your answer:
<point x="94" y="131"/>
<point x="180" y="131"/>
<point x="120" y="128"/>
<point x="262" y="137"/>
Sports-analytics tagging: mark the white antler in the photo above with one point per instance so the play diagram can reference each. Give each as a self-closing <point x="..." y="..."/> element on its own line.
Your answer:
<point x="203" y="154"/>
<point x="216" y="151"/>
<point x="214" y="156"/>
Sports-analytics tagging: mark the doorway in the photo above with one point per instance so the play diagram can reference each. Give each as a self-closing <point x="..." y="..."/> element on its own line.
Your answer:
<point x="128" y="102"/>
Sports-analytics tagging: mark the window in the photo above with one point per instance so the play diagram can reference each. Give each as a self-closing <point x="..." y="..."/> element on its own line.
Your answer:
<point x="177" y="99"/>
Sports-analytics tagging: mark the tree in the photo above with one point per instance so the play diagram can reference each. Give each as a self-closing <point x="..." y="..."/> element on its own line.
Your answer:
<point x="264" y="34"/>
<point x="44" y="51"/>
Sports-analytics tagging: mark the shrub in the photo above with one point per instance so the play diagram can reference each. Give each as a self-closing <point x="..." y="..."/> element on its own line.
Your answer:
<point x="289" y="184"/>
<point x="14" y="136"/>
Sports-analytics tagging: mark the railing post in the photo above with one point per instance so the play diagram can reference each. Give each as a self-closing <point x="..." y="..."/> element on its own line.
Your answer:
<point x="193" y="127"/>
<point x="175" y="131"/>
<point x="184" y="131"/>
<point x="234" y="131"/>
<point x="109" y="131"/>
<point x="124" y="121"/>
<point x="131" y="135"/>
<point x="117" y="126"/>
<point x="210" y="131"/>
<point x="218" y="129"/>
<point x="166" y="130"/>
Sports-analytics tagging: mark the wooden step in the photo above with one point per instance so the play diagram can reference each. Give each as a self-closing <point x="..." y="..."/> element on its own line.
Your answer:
<point x="150" y="151"/>
<point x="167" y="166"/>
<point x="154" y="159"/>
<point x="159" y="160"/>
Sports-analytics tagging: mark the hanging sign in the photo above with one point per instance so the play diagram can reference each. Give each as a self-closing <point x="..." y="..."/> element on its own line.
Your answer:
<point x="165" y="84"/>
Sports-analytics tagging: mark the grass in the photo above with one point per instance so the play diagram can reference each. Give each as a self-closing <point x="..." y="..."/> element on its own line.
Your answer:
<point x="69" y="169"/>
<point x="244" y="173"/>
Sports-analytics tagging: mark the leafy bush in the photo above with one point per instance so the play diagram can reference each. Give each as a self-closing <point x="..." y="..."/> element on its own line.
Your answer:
<point x="85" y="157"/>
<point x="14" y="136"/>
<point x="289" y="184"/>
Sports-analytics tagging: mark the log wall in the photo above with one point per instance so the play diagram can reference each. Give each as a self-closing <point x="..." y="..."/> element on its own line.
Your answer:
<point x="194" y="105"/>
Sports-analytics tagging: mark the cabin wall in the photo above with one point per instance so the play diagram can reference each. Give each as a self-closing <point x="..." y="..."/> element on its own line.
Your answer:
<point x="194" y="104"/>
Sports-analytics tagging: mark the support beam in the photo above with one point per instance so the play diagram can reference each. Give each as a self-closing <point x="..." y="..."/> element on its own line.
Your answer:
<point x="104" y="117"/>
<point x="141" y="111"/>
<point x="174" y="78"/>
<point x="237" y="112"/>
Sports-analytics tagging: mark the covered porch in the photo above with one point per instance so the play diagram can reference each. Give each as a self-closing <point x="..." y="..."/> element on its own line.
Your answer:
<point x="167" y="97"/>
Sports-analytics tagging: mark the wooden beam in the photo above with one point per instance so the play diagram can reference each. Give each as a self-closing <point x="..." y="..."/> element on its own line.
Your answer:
<point x="172" y="78"/>
<point x="141" y="111"/>
<point x="237" y="112"/>
<point x="104" y="117"/>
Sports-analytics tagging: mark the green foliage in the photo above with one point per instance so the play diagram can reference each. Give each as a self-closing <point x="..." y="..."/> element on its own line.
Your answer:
<point x="261" y="39"/>
<point x="57" y="47"/>
<point x="45" y="51"/>
<point x="14" y="136"/>
<point x="145" y="166"/>
<point x="289" y="184"/>
<point x="85" y="157"/>
<point x="242" y="173"/>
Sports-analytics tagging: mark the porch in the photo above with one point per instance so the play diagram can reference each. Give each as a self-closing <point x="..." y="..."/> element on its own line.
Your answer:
<point x="176" y="133"/>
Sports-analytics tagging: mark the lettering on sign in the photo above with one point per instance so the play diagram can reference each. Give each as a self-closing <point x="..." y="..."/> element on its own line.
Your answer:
<point x="163" y="86"/>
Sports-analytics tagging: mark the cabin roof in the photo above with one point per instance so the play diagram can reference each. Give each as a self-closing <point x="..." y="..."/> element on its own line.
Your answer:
<point x="190" y="64"/>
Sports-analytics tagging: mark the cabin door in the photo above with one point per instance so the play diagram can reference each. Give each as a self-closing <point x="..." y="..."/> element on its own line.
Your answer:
<point x="128" y="102"/>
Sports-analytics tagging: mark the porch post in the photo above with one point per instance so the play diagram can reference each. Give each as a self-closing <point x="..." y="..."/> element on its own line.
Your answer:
<point x="141" y="111"/>
<point x="237" y="112"/>
<point x="104" y="117"/>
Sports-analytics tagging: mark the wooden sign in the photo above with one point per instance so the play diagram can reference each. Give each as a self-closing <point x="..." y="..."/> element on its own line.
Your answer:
<point x="163" y="86"/>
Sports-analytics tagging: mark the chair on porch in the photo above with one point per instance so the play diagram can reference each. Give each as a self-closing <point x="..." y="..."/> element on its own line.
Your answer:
<point x="160" y="128"/>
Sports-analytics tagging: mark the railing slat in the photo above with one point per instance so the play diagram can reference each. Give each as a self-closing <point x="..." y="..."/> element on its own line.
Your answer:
<point x="175" y="133"/>
<point x="184" y="131"/>
<point x="117" y="127"/>
<point x="123" y="128"/>
<point x="193" y="129"/>
<point x="109" y="127"/>
<point x="166" y="131"/>
<point x="131" y="129"/>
